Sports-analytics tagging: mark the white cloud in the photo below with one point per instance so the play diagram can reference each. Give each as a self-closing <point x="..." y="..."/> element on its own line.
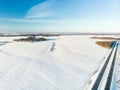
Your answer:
<point x="45" y="21"/>
<point x="24" y="20"/>
<point x="41" y="10"/>
<point x="60" y="25"/>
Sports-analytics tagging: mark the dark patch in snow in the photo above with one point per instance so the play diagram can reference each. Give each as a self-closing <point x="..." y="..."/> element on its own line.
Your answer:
<point x="52" y="49"/>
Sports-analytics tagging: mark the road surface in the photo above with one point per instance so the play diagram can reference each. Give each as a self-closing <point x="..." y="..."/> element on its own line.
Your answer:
<point x="96" y="85"/>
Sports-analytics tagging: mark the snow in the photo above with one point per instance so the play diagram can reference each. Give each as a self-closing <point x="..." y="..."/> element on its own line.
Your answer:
<point x="117" y="74"/>
<point x="32" y="66"/>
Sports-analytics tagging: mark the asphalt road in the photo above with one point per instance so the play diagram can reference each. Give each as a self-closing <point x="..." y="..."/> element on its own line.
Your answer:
<point x="109" y="79"/>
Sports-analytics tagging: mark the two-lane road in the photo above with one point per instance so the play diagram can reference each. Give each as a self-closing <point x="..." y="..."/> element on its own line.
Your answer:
<point x="96" y="85"/>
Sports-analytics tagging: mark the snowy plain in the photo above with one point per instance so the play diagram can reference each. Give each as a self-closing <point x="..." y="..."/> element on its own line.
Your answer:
<point x="33" y="66"/>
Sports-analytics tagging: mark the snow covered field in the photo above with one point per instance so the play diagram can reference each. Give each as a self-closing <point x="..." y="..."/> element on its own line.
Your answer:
<point x="34" y="66"/>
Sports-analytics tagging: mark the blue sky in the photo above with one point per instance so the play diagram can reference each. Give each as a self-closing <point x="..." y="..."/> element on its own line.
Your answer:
<point x="59" y="15"/>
